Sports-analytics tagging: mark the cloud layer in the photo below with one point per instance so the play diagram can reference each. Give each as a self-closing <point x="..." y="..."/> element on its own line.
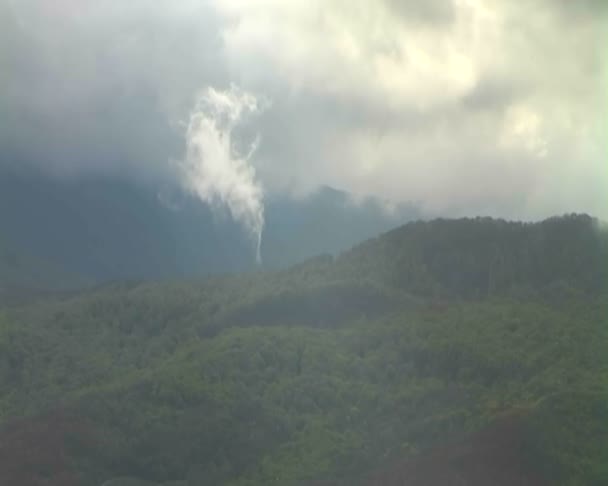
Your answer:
<point x="466" y="106"/>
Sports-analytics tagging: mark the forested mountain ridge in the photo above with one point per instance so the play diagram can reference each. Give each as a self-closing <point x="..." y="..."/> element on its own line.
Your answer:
<point x="482" y="256"/>
<point x="325" y="371"/>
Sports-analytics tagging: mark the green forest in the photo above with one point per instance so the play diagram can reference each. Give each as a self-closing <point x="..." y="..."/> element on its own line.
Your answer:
<point x="323" y="373"/>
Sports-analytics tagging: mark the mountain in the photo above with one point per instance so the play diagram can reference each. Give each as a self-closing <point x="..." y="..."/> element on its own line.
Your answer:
<point x="110" y="229"/>
<point x="19" y="270"/>
<point x="327" y="221"/>
<point x="440" y="351"/>
<point x="475" y="257"/>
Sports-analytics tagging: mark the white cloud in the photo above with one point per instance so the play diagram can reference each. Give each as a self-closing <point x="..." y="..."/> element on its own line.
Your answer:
<point x="469" y="106"/>
<point x="500" y="96"/>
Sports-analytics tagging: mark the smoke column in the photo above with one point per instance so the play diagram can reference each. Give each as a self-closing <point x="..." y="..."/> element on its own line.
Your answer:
<point x="213" y="169"/>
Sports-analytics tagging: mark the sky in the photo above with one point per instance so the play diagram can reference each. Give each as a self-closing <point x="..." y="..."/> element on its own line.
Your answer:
<point x="466" y="107"/>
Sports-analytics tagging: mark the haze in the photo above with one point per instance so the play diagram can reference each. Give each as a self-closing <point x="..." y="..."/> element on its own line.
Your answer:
<point x="465" y="107"/>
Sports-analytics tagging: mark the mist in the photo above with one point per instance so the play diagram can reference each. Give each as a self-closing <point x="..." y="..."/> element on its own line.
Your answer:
<point x="213" y="169"/>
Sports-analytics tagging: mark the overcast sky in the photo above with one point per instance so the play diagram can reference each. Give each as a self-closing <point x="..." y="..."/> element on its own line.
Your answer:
<point x="467" y="106"/>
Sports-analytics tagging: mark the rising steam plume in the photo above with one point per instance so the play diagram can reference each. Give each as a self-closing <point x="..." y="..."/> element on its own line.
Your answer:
<point x="213" y="169"/>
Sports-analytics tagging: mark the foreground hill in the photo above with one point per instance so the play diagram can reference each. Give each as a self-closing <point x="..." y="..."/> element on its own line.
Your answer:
<point x="372" y="365"/>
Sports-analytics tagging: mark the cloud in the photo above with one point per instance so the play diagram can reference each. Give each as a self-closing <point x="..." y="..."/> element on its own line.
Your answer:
<point x="467" y="106"/>
<point x="489" y="107"/>
<point x="213" y="170"/>
<point x="102" y="86"/>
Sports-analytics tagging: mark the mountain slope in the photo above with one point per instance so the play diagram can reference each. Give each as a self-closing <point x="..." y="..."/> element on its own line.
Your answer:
<point x="327" y="370"/>
<point x="19" y="271"/>
<point x="479" y="257"/>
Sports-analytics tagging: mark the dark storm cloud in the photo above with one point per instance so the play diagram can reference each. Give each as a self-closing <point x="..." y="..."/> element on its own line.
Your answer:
<point x="102" y="87"/>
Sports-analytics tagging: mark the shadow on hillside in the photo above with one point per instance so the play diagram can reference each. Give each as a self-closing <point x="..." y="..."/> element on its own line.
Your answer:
<point x="493" y="456"/>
